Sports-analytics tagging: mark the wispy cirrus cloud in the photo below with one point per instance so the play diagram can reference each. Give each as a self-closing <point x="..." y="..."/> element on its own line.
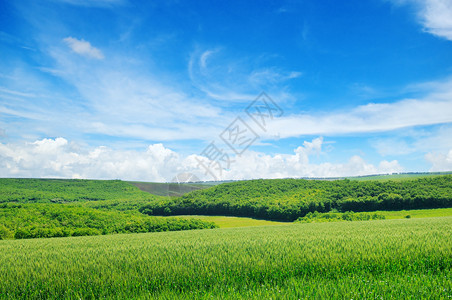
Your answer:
<point x="112" y="100"/>
<point x="433" y="139"/>
<point x="431" y="109"/>
<point x="83" y="48"/>
<point x="267" y="76"/>
<point x="125" y="101"/>
<point x="156" y="111"/>
<point x="221" y="77"/>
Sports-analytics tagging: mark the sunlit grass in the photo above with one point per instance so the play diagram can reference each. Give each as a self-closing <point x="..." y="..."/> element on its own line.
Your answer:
<point x="417" y="213"/>
<point x="407" y="258"/>
<point x="229" y="222"/>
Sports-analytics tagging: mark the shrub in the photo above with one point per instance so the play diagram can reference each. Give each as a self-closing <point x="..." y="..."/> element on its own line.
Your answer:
<point x="336" y="217"/>
<point x="5" y="233"/>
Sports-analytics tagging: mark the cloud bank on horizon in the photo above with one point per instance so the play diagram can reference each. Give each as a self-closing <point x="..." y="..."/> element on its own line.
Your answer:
<point x="137" y="91"/>
<point x="54" y="158"/>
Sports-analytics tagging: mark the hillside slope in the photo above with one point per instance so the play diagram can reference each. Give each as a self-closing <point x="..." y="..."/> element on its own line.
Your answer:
<point x="288" y="199"/>
<point x="171" y="189"/>
<point x="37" y="208"/>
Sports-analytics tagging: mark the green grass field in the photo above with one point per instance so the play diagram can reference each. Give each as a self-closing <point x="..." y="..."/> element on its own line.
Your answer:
<point x="417" y="213"/>
<point x="230" y="222"/>
<point x="388" y="259"/>
<point x="246" y="258"/>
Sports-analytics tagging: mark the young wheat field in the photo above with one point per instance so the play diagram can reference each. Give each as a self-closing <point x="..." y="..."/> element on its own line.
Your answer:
<point x="387" y="259"/>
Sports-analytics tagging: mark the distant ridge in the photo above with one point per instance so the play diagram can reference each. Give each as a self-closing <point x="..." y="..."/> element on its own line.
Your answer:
<point x="173" y="189"/>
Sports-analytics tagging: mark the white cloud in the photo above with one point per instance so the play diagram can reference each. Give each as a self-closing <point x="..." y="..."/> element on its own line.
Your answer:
<point x="440" y="161"/>
<point x="217" y="77"/>
<point x="58" y="158"/>
<point x="434" y="15"/>
<point x="258" y="165"/>
<point x="432" y="109"/>
<point x="412" y="140"/>
<point x="117" y="100"/>
<point x="123" y="100"/>
<point x="83" y="48"/>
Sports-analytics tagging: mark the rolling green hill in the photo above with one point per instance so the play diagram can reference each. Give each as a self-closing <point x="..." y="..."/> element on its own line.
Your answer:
<point x="32" y="208"/>
<point x="179" y="189"/>
<point x="36" y="208"/>
<point x="171" y="189"/>
<point x="289" y="199"/>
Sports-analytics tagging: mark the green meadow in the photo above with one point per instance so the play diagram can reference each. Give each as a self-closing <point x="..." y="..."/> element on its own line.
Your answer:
<point x="385" y="259"/>
<point x="87" y="239"/>
<point x="229" y="222"/>
<point x="417" y="213"/>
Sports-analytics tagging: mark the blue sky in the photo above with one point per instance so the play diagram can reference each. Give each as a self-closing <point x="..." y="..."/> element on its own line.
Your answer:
<point x="139" y="90"/>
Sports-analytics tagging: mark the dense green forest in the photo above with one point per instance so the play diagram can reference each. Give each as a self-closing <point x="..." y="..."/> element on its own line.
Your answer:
<point x="171" y="189"/>
<point x="289" y="199"/>
<point x="35" y="208"/>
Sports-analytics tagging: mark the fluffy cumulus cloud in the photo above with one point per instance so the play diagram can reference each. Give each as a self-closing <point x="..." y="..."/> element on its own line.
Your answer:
<point x="59" y="158"/>
<point x="83" y="48"/>
<point x="440" y="161"/>
<point x="258" y="165"/>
